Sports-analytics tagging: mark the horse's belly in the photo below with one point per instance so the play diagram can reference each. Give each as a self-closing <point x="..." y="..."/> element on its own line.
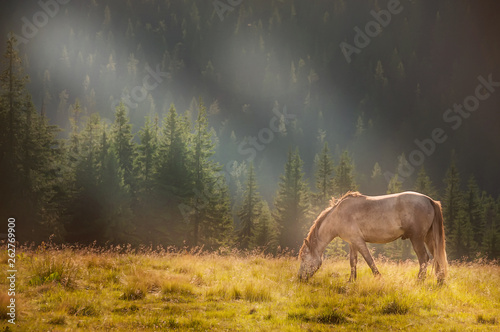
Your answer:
<point x="387" y="233"/>
<point x="383" y="239"/>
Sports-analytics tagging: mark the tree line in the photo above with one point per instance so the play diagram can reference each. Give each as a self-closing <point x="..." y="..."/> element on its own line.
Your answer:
<point x="163" y="185"/>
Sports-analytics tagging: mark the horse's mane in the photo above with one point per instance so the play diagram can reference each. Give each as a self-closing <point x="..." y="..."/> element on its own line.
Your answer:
<point x="334" y="203"/>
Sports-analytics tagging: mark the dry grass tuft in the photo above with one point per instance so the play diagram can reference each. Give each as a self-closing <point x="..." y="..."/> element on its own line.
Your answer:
<point x="50" y="268"/>
<point x="486" y="320"/>
<point x="58" y="320"/>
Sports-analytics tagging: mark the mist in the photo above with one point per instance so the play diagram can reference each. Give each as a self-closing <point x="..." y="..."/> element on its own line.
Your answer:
<point x="280" y="76"/>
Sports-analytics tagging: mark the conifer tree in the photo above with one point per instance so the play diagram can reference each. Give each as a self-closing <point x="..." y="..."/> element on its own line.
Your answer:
<point x="324" y="177"/>
<point x="165" y="160"/>
<point x="174" y="178"/>
<point x="394" y="185"/>
<point x="147" y="152"/>
<point x="29" y="153"/>
<point x="344" y="177"/>
<point x="423" y="184"/>
<point x="474" y="210"/>
<point x="377" y="182"/>
<point x="209" y="212"/>
<point x="85" y="208"/>
<point x="74" y="138"/>
<point x="490" y="245"/>
<point x="122" y="144"/>
<point x="116" y="214"/>
<point x="461" y="243"/>
<point x="452" y="200"/>
<point x="457" y="224"/>
<point x="266" y="230"/>
<point x="217" y="225"/>
<point x="292" y="203"/>
<point x="248" y="212"/>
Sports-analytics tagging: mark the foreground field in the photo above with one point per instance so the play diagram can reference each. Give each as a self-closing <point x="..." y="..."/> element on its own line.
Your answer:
<point x="92" y="290"/>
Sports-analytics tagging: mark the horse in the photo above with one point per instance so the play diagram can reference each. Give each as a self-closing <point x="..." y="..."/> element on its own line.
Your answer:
<point x="358" y="219"/>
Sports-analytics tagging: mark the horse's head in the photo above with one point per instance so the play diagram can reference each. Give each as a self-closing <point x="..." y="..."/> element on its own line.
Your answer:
<point x="310" y="261"/>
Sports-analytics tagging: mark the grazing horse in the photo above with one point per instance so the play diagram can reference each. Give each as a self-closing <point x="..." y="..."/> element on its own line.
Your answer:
<point x="358" y="219"/>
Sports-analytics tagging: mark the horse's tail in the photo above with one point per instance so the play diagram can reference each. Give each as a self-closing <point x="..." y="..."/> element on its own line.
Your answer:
<point x="440" y="260"/>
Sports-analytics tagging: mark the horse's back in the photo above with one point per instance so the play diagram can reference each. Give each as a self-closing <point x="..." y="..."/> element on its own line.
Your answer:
<point x="382" y="219"/>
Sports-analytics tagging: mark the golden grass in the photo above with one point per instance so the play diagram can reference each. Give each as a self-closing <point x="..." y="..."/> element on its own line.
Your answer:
<point x="119" y="289"/>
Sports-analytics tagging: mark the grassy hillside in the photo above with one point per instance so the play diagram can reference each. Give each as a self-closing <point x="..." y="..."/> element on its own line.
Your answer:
<point x="86" y="289"/>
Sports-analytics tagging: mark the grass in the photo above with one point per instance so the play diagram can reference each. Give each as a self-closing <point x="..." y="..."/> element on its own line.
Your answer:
<point x="90" y="289"/>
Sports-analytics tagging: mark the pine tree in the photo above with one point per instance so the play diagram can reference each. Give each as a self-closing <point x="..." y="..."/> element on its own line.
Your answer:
<point x="29" y="152"/>
<point x="174" y="178"/>
<point x="404" y="169"/>
<point x="474" y="210"/>
<point x="122" y="144"/>
<point x="248" y="212"/>
<point x="85" y="208"/>
<point x="490" y="244"/>
<point x="423" y="184"/>
<point x="217" y="225"/>
<point x="324" y="177"/>
<point x="147" y="152"/>
<point x="210" y="208"/>
<point x="377" y="182"/>
<point x="266" y="230"/>
<point x="458" y="227"/>
<point x="452" y="199"/>
<point x="394" y="185"/>
<point x="344" y="177"/>
<point x="74" y="138"/>
<point x="292" y="203"/>
<point x="164" y="169"/>
<point x="116" y="215"/>
<point x="15" y="100"/>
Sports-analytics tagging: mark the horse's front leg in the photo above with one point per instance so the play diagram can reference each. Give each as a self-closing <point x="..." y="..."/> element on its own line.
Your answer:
<point x="365" y="252"/>
<point x="353" y="259"/>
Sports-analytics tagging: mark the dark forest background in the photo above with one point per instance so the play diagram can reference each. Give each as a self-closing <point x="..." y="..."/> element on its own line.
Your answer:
<point x="234" y="123"/>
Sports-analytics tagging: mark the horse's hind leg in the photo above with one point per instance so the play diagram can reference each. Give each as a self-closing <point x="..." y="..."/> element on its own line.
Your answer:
<point x="365" y="252"/>
<point x="423" y="257"/>
<point x="353" y="259"/>
<point x="429" y="240"/>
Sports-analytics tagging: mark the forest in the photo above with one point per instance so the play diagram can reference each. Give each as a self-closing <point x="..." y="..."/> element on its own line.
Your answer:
<point x="233" y="123"/>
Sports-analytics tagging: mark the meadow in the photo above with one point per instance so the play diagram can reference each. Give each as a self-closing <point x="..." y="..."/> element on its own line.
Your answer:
<point x="120" y="289"/>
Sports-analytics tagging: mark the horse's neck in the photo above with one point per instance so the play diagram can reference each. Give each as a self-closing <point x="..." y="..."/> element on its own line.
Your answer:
<point x="326" y="232"/>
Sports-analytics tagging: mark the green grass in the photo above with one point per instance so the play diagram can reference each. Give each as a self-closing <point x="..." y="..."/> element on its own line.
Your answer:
<point x="88" y="289"/>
